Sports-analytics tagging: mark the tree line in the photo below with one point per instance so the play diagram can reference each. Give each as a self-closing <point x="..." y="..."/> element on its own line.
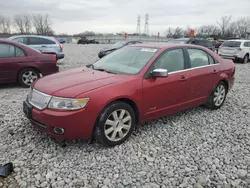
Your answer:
<point x="26" y="24"/>
<point x="41" y="24"/>
<point x="223" y="28"/>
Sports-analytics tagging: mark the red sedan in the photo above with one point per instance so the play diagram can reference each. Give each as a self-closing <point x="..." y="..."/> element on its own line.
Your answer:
<point x="22" y="64"/>
<point x="107" y="99"/>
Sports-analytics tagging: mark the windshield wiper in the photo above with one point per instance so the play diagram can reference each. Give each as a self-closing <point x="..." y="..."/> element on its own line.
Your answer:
<point x="99" y="69"/>
<point x="90" y="65"/>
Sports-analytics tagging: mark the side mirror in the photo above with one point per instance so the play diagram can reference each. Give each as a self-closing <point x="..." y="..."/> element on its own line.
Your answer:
<point x="160" y="73"/>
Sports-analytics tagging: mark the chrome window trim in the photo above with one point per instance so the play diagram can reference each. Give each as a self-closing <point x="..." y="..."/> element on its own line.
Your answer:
<point x="193" y="68"/>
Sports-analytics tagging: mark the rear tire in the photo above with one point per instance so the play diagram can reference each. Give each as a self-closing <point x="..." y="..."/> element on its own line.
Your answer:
<point x="217" y="97"/>
<point x="115" y="124"/>
<point x="27" y="76"/>
<point x="245" y="59"/>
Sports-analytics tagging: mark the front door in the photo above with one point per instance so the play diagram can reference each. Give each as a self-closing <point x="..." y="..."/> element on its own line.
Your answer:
<point x="164" y="96"/>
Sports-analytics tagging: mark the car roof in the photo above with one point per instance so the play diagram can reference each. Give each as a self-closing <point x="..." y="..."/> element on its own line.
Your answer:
<point x="166" y="45"/>
<point x="239" y="40"/>
<point x="39" y="36"/>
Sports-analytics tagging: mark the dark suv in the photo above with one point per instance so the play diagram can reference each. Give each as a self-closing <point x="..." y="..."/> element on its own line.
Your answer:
<point x="197" y="41"/>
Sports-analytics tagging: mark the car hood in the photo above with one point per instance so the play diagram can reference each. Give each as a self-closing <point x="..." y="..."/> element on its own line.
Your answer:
<point x="74" y="82"/>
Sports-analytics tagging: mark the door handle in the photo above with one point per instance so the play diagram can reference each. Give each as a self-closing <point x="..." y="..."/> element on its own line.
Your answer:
<point x="183" y="78"/>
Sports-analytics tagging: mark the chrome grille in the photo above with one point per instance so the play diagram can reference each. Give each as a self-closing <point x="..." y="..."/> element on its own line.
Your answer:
<point x="39" y="100"/>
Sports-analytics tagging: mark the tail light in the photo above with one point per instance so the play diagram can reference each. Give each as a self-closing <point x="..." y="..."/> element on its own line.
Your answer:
<point x="54" y="58"/>
<point x="60" y="45"/>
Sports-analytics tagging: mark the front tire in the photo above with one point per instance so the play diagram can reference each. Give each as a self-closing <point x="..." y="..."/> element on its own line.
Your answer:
<point x="27" y="76"/>
<point x="246" y="59"/>
<point x="218" y="96"/>
<point x="115" y="124"/>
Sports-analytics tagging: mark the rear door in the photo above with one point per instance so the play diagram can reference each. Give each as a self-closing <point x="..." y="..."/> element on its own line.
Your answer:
<point x="203" y="74"/>
<point x="11" y="59"/>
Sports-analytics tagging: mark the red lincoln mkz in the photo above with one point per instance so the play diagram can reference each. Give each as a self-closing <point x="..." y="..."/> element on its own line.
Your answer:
<point x="107" y="99"/>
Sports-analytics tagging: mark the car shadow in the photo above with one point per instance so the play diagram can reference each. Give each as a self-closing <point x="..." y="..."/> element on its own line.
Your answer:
<point x="11" y="86"/>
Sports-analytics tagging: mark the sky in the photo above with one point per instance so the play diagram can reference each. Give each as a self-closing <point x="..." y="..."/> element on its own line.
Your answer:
<point x="112" y="16"/>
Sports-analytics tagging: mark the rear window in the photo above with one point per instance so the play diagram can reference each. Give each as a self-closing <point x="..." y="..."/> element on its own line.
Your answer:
<point x="231" y="44"/>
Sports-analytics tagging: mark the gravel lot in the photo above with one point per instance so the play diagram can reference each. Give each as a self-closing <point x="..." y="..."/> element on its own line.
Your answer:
<point x="196" y="148"/>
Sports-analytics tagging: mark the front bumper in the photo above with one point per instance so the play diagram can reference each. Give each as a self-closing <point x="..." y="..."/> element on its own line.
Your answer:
<point x="76" y="124"/>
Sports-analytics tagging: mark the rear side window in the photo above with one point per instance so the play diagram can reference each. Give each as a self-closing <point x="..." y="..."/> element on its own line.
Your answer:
<point x="23" y="40"/>
<point x="39" y="41"/>
<point x="235" y="44"/>
<point x="8" y="50"/>
<point x="198" y="58"/>
<point x="246" y="44"/>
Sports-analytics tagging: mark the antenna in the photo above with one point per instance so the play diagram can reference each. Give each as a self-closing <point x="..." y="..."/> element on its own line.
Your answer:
<point x="138" y="30"/>
<point x="146" y="30"/>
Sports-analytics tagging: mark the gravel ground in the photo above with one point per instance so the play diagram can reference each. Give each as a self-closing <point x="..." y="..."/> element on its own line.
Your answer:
<point x="196" y="148"/>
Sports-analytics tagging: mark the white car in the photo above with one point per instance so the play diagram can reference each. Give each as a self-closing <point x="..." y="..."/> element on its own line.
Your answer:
<point x="237" y="50"/>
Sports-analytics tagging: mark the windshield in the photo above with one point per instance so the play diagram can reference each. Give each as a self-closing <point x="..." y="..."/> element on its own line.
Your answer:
<point x="177" y="41"/>
<point x="118" y="44"/>
<point x="231" y="44"/>
<point x="127" y="60"/>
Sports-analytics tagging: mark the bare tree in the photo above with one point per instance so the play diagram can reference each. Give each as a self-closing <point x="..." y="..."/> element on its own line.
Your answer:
<point x="5" y="25"/>
<point x="42" y="24"/>
<point x="242" y="25"/>
<point x="224" y="23"/>
<point x="186" y="31"/>
<point x="178" y="32"/>
<point x="208" y="31"/>
<point x="169" y="33"/>
<point x="22" y="23"/>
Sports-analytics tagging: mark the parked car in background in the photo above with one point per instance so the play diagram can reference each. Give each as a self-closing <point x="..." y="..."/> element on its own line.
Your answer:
<point x="107" y="99"/>
<point x="116" y="46"/>
<point x="45" y="44"/>
<point x="196" y="41"/>
<point x="84" y="40"/>
<point x="22" y="64"/>
<point x="237" y="50"/>
<point x="62" y="41"/>
<point x="218" y="44"/>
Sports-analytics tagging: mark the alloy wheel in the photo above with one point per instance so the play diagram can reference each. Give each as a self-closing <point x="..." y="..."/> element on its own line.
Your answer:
<point x="118" y="125"/>
<point x="219" y="95"/>
<point x="28" y="77"/>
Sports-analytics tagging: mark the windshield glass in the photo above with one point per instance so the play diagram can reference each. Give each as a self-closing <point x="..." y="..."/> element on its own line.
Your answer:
<point x="118" y="44"/>
<point x="231" y="44"/>
<point x="177" y="41"/>
<point x="127" y="60"/>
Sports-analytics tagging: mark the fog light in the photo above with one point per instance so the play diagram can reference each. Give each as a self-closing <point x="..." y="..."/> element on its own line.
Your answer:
<point x="58" y="130"/>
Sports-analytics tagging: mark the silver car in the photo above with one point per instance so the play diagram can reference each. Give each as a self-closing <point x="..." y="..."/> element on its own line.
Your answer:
<point x="45" y="44"/>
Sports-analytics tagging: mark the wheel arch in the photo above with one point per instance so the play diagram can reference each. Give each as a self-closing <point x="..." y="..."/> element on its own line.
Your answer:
<point x="226" y="83"/>
<point x="127" y="100"/>
<point x="26" y="68"/>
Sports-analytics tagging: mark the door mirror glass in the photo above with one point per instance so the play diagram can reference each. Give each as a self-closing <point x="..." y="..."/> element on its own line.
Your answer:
<point x="159" y="73"/>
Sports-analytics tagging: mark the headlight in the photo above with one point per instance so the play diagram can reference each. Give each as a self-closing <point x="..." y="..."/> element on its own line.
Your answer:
<point x="67" y="104"/>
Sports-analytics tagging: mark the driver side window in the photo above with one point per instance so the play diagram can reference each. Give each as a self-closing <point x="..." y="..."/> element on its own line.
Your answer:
<point x="172" y="60"/>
